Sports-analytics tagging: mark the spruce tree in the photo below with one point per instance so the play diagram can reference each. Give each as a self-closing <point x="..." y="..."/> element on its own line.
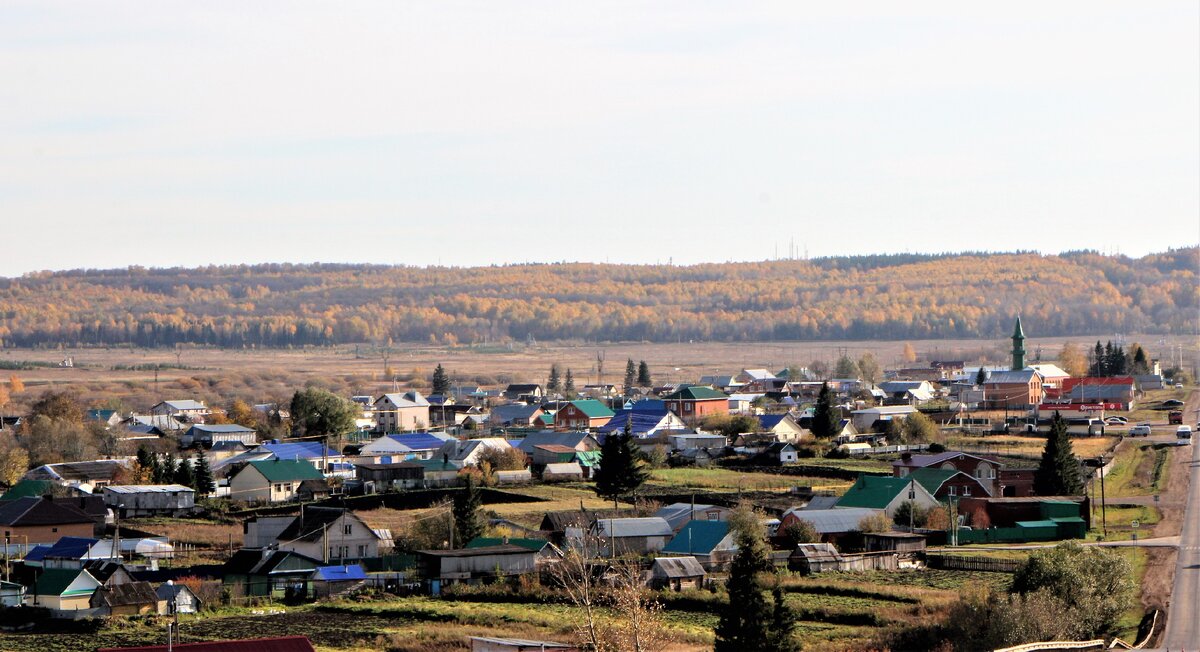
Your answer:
<point x="643" y="376"/>
<point x="554" y="384"/>
<point x="146" y="463"/>
<point x="1058" y="472"/>
<point x="620" y="471"/>
<point x="981" y="376"/>
<point x="184" y="474"/>
<point x="630" y="377"/>
<point x="747" y="618"/>
<point x="468" y="523"/>
<point x="782" y="635"/>
<point x="441" y="382"/>
<point x="204" y="478"/>
<point x="569" y="386"/>
<point x="1098" y="360"/>
<point x="825" y="416"/>
<point x="164" y="472"/>
<point x="1140" y="364"/>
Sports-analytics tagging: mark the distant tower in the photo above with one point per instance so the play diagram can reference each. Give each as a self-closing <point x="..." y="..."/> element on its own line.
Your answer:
<point x="1018" y="351"/>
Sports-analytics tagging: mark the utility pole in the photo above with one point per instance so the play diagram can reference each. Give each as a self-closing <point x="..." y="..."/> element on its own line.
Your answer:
<point x="1103" y="500"/>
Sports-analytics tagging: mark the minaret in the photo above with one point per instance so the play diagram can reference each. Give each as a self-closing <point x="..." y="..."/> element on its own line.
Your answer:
<point x="1018" y="350"/>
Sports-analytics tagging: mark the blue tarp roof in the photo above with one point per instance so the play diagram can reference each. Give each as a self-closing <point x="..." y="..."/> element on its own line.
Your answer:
<point x="304" y="450"/>
<point x="340" y="573"/>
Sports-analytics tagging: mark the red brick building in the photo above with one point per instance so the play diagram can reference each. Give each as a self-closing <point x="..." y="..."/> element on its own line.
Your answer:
<point x="695" y="403"/>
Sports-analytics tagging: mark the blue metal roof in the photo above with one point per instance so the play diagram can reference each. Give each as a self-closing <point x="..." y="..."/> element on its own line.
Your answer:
<point x="418" y="441"/>
<point x="643" y="422"/>
<point x="37" y="553"/>
<point x="304" y="450"/>
<point x="768" y="421"/>
<point x="71" y="547"/>
<point x="340" y="573"/>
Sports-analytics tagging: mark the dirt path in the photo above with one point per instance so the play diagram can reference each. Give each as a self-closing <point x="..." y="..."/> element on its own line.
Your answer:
<point x="1160" y="562"/>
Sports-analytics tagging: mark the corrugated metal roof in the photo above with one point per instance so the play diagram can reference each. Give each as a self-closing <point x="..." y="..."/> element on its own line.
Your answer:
<point x="650" y="526"/>
<point x="677" y="567"/>
<point x="700" y="537"/>
<point x="146" y="488"/>
<point x="833" y="521"/>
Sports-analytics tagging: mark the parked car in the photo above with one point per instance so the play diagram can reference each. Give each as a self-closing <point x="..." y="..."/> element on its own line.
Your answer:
<point x="1140" y="430"/>
<point x="1116" y="421"/>
<point x="1184" y="432"/>
<point x="1172" y="403"/>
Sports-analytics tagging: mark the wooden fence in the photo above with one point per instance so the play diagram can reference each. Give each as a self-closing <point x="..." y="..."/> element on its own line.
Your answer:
<point x="958" y="562"/>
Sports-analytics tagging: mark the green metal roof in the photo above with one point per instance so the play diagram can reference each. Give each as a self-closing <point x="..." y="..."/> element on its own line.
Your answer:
<point x="1036" y="524"/>
<point x="874" y="492"/>
<point x="535" y="545"/>
<point x="27" y="488"/>
<point x="696" y="393"/>
<point x="932" y="478"/>
<point x="54" y="581"/>
<point x="592" y="408"/>
<point x="286" y="470"/>
<point x="588" y="458"/>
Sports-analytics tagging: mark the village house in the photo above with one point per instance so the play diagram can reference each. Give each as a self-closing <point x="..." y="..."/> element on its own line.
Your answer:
<point x="832" y="525"/>
<point x="185" y="410"/>
<point x="134" y="500"/>
<point x="1052" y="375"/>
<point x="948" y="484"/>
<point x="469" y="452"/>
<point x="401" y="447"/>
<point x="1013" y="390"/>
<point x="397" y="475"/>
<point x="441" y="568"/>
<point x="35" y="520"/>
<point x="887" y="494"/>
<point x="324" y="533"/>
<point x="275" y="481"/>
<point x="324" y="458"/>
<point x="268" y="572"/>
<point x="63" y="590"/>
<point x="208" y="435"/>
<point x="643" y="422"/>
<point x="516" y="415"/>
<point x="525" y="392"/>
<point x="782" y="426"/>
<point x="709" y="542"/>
<point x="87" y="475"/>
<point x="694" y="403"/>
<point x="907" y="392"/>
<point x="1119" y="390"/>
<point x="868" y="419"/>
<point x="401" y="412"/>
<point x="620" y="536"/>
<point x="334" y="580"/>
<point x="989" y="473"/>
<point x="678" y="515"/>
<point x="582" y="415"/>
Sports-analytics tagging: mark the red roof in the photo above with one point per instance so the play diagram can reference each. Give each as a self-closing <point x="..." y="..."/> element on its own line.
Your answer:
<point x="1068" y="383"/>
<point x="279" y="644"/>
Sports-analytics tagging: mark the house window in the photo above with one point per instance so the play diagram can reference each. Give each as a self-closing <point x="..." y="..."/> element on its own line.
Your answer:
<point x="278" y="487"/>
<point x="54" y="529"/>
<point x="966" y="491"/>
<point x="953" y="490"/>
<point x="687" y="407"/>
<point x="348" y="529"/>
<point x="991" y="473"/>
<point x="362" y="551"/>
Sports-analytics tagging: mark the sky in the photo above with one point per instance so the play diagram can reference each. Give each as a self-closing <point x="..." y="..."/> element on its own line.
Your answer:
<point x="168" y="133"/>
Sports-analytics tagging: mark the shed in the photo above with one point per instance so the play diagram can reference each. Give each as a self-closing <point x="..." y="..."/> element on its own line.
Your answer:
<point x="184" y="600"/>
<point x="442" y="567"/>
<point x="563" y="471"/>
<point x="130" y="599"/>
<point x="709" y="542"/>
<point x="810" y="558"/>
<point x="133" y="500"/>
<point x="632" y="535"/>
<point x="901" y="542"/>
<point x="676" y="573"/>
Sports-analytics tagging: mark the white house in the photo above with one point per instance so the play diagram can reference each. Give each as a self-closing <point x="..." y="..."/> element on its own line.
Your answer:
<point x="401" y="412"/>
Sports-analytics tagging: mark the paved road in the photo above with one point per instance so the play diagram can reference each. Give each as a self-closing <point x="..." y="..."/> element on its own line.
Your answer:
<point x="1183" y="620"/>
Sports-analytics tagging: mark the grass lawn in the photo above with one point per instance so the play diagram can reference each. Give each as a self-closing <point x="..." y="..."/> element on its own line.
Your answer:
<point x="1145" y="408"/>
<point x="860" y="464"/>
<point x="728" y="480"/>
<point x="1120" y="519"/>
<point x="1028" y="446"/>
<point x="1132" y="471"/>
<point x="1127" y="626"/>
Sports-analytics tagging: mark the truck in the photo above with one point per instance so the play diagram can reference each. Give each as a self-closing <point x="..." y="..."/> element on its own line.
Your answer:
<point x="1175" y="417"/>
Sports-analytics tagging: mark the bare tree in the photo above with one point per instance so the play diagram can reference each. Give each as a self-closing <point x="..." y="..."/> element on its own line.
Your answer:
<point x="576" y="575"/>
<point x="640" y="627"/>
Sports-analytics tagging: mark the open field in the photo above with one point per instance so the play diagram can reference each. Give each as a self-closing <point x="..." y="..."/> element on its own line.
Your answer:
<point x="1133" y="470"/>
<point x="1027" y="446"/>
<point x="733" y="481"/>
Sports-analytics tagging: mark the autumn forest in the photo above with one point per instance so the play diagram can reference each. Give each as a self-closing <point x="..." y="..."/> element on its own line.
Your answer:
<point x="860" y="297"/>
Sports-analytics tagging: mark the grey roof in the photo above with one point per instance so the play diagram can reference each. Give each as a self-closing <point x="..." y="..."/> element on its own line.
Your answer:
<point x="817" y="552"/>
<point x="650" y="526"/>
<point x="677" y="567"/>
<point x="146" y="488"/>
<point x="834" y="521"/>
<point x="551" y="438"/>
<point x="1011" y="377"/>
<point x="513" y="411"/>
<point x="186" y="404"/>
<point x="678" y="514"/>
<point x="405" y="400"/>
<point x="821" y="502"/>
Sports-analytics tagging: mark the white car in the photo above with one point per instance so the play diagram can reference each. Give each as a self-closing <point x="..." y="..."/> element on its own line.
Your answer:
<point x="1116" y="421"/>
<point x="1140" y="430"/>
<point x="1183" y="432"/>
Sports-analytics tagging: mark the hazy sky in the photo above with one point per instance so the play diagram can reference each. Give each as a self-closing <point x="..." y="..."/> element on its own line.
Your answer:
<point x="186" y="133"/>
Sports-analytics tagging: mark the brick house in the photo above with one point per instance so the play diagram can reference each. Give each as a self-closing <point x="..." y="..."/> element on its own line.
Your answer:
<point x="697" y="402"/>
<point x="582" y="415"/>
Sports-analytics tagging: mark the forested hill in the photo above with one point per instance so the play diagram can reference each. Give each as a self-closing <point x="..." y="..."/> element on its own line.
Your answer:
<point x="892" y="297"/>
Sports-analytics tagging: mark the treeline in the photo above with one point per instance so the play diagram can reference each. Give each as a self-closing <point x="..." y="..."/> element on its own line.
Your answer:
<point x="869" y="297"/>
